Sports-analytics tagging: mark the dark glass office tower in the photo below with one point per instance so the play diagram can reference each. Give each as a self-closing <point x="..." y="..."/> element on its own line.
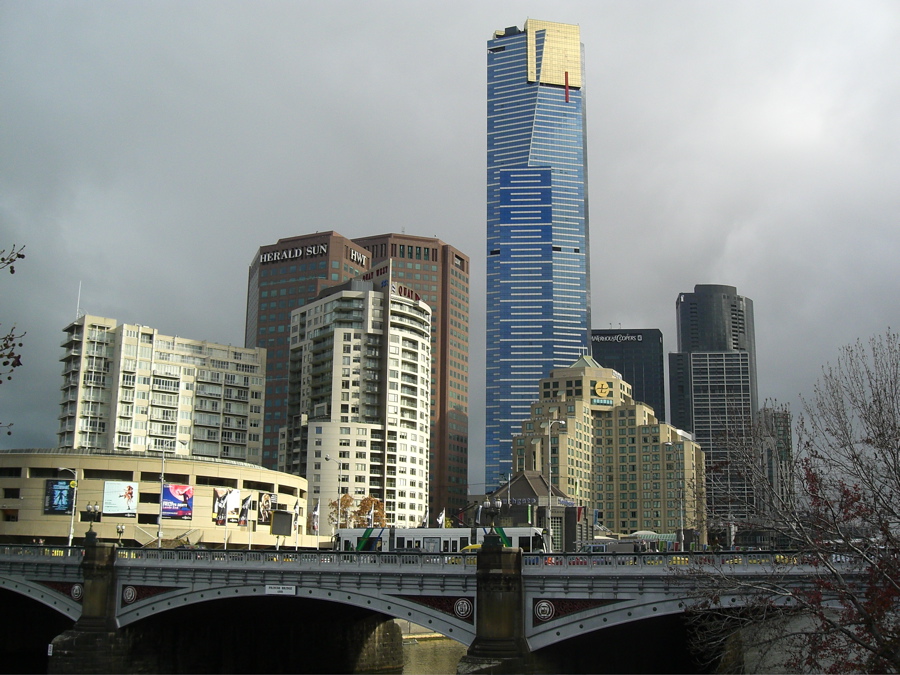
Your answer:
<point x="637" y="355"/>
<point x="712" y="388"/>
<point x="538" y="274"/>
<point x="283" y="276"/>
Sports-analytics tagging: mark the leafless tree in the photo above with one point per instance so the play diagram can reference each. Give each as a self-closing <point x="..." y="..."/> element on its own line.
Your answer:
<point x="10" y="342"/>
<point x="831" y="603"/>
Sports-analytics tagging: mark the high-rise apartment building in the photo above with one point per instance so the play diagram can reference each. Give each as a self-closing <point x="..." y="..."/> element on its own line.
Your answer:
<point x="282" y="277"/>
<point x="638" y="356"/>
<point x="538" y="272"/>
<point x="360" y="391"/>
<point x="294" y="271"/>
<point x="713" y="391"/>
<point x="611" y="454"/>
<point x="439" y="273"/>
<point x="126" y="387"/>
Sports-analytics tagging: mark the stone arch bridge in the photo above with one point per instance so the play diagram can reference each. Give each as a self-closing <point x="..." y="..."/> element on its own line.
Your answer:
<point x="560" y="596"/>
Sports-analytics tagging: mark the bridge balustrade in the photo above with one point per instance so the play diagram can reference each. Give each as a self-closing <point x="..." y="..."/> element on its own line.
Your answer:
<point x="650" y="563"/>
<point x="549" y="563"/>
<point x="306" y="559"/>
<point x="40" y="550"/>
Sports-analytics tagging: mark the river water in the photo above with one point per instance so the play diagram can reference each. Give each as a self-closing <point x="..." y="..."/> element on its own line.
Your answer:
<point x="436" y="656"/>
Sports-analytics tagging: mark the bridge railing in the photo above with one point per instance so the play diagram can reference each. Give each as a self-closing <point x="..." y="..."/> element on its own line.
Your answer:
<point x="41" y="551"/>
<point x="609" y="562"/>
<point x="457" y="562"/>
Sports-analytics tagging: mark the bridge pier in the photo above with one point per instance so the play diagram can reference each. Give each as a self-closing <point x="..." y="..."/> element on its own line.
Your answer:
<point x="500" y="645"/>
<point x="93" y="644"/>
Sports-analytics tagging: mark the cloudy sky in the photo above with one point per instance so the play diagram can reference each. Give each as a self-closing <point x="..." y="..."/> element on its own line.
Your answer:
<point x="148" y="149"/>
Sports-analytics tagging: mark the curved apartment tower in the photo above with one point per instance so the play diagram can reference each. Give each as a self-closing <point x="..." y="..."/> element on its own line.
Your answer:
<point x="360" y="390"/>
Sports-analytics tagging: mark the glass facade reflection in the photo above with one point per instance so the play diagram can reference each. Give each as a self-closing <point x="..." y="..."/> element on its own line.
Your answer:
<point x="538" y="273"/>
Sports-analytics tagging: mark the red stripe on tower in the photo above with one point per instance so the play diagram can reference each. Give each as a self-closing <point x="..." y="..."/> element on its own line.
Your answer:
<point x="567" y="86"/>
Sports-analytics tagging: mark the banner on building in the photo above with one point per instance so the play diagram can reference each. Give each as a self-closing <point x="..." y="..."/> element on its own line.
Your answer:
<point x="226" y="505"/>
<point x="267" y="503"/>
<point x="58" y="497"/>
<point x="178" y="502"/>
<point x="120" y="498"/>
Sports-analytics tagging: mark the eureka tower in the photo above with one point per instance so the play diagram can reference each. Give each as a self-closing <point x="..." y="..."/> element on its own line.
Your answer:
<point x="538" y="271"/>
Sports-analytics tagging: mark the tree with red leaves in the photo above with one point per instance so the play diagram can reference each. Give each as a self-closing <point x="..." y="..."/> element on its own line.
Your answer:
<point x="841" y="521"/>
<point x="10" y="343"/>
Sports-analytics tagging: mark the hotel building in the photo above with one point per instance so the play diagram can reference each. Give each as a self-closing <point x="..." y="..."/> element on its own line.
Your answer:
<point x="611" y="454"/>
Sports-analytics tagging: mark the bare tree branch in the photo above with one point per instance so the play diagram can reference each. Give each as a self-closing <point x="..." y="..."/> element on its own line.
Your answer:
<point x="10" y="343"/>
<point x="841" y="518"/>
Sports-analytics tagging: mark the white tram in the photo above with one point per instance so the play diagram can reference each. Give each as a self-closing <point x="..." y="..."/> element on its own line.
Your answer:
<point x="435" y="539"/>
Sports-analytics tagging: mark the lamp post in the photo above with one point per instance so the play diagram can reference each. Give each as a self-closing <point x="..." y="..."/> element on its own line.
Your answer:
<point x="492" y="539"/>
<point x="337" y="524"/>
<point x="74" y="486"/>
<point x="548" y="425"/>
<point x="669" y="447"/>
<point x="93" y="511"/>
<point x="120" y="530"/>
<point x="162" y="493"/>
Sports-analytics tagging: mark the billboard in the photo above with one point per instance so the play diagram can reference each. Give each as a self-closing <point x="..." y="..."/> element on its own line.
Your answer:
<point x="120" y="498"/>
<point x="58" y="497"/>
<point x="267" y="503"/>
<point x="226" y="505"/>
<point x="178" y="502"/>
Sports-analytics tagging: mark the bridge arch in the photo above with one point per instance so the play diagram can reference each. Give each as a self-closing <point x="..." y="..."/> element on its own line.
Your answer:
<point x="61" y="596"/>
<point x="543" y="634"/>
<point x="426" y="594"/>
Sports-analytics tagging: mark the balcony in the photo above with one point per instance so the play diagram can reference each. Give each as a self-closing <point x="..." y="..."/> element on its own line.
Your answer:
<point x="73" y="353"/>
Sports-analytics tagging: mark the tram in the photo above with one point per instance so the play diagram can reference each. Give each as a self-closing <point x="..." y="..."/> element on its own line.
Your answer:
<point x="435" y="539"/>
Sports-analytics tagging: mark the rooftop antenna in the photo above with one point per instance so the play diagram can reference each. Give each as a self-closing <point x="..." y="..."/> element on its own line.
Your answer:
<point x="78" y="311"/>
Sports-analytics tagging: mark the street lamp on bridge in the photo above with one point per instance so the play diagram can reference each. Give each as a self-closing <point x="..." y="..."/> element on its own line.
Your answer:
<point x="74" y="485"/>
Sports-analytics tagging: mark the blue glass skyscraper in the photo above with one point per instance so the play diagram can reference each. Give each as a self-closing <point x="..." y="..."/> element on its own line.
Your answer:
<point x="538" y="273"/>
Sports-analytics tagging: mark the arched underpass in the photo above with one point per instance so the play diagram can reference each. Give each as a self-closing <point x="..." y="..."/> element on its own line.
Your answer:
<point x="232" y="635"/>
<point x="655" y="645"/>
<point x="26" y="628"/>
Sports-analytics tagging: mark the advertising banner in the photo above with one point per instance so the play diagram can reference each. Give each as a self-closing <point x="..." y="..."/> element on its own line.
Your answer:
<point x="244" y="518"/>
<point x="58" y="497"/>
<point x="120" y="498"/>
<point x="178" y="502"/>
<point x="267" y="502"/>
<point x="226" y="505"/>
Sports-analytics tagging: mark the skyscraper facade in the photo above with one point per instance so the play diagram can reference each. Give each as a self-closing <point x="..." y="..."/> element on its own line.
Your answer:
<point x="638" y="356"/>
<point x="283" y="276"/>
<point x="439" y="273"/>
<point x="538" y="273"/>
<point x="713" y="390"/>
